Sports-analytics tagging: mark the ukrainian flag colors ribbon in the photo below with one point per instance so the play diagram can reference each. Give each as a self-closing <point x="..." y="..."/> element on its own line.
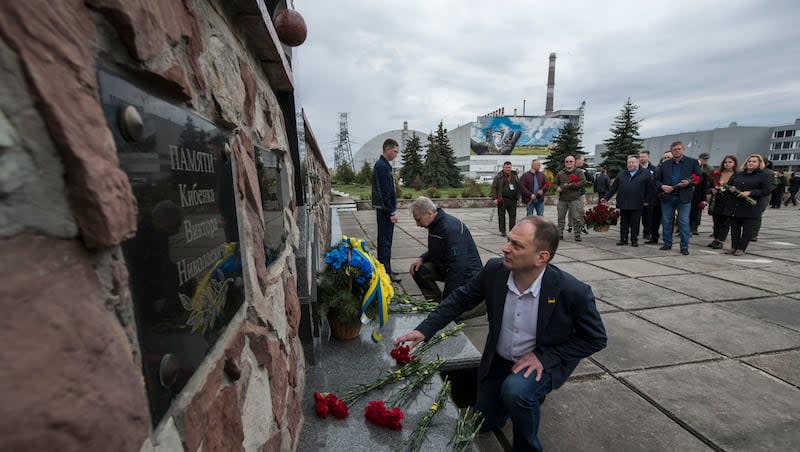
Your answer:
<point x="380" y="290"/>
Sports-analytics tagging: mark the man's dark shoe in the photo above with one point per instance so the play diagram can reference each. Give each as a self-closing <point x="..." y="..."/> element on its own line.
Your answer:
<point x="695" y="233"/>
<point x="652" y="242"/>
<point x="665" y="247"/>
<point x="716" y="244"/>
<point x="622" y="242"/>
<point x="502" y="234"/>
<point x="634" y="243"/>
<point x="395" y="277"/>
<point x="585" y="231"/>
<point x="646" y="236"/>
<point x="754" y="239"/>
<point x="577" y="238"/>
<point x="560" y="236"/>
<point x="685" y="252"/>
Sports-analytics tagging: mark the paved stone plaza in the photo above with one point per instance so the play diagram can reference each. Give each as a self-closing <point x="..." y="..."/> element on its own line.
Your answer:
<point x="703" y="350"/>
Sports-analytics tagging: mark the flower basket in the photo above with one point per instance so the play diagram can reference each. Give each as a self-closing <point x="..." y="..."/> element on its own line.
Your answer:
<point x="344" y="331"/>
<point x="353" y="289"/>
<point x="600" y="217"/>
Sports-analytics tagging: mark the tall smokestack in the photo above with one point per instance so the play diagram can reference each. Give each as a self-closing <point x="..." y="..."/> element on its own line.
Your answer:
<point x="551" y="84"/>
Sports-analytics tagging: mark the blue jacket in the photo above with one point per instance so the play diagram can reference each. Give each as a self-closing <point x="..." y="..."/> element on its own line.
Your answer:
<point x="632" y="192"/>
<point x="663" y="176"/>
<point x="451" y="248"/>
<point x="383" y="194"/>
<point x="568" y="329"/>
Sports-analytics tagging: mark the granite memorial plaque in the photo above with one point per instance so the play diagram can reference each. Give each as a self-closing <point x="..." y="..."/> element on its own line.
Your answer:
<point x="184" y="262"/>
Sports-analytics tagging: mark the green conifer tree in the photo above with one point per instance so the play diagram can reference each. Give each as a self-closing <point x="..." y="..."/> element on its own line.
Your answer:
<point x="624" y="140"/>
<point x="344" y="174"/>
<point x="412" y="161"/>
<point x="440" y="168"/>
<point x="567" y="142"/>
<point x="365" y="175"/>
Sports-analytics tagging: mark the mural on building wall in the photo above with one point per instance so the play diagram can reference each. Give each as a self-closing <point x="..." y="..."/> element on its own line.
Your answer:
<point x="507" y="135"/>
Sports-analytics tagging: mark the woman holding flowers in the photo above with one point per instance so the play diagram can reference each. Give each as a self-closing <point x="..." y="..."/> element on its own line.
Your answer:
<point x="744" y="189"/>
<point x="719" y="178"/>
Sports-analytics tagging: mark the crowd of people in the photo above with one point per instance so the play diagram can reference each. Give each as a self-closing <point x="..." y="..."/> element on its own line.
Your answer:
<point x="654" y="199"/>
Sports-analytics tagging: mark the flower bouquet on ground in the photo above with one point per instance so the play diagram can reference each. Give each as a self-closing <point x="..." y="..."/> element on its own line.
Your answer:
<point x="600" y="217"/>
<point x="353" y="289"/>
<point x="467" y="427"/>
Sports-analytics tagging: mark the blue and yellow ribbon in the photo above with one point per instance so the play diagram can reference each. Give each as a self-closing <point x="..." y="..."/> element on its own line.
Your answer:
<point x="379" y="291"/>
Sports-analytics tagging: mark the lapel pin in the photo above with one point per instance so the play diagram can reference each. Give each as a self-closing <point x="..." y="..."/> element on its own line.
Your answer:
<point x="551" y="301"/>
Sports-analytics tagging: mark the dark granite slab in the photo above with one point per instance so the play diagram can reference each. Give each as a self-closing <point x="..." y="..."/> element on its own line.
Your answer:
<point x="346" y="363"/>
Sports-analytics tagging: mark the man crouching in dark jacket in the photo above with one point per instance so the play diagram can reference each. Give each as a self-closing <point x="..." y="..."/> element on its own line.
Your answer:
<point x="452" y="256"/>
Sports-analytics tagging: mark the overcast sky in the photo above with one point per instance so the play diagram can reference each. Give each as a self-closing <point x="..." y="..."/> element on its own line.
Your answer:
<point x="689" y="65"/>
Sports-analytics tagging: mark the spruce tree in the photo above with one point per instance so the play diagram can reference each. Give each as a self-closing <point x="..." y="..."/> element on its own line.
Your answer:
<point x="567" y="142"/>
<point x="624" y="140"/>
<point x="412" y="161"/>
<point x="440" y="168"/>
<point x="344" y="174"/>
<point x="365" y="175"/>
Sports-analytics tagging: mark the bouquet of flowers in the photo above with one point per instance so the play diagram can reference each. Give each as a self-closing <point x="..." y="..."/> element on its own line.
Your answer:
<point x="600" y="216"/>
<point x="573" y="178"/>
<point x="750" y="201"/>
<point x="354" y="287"/>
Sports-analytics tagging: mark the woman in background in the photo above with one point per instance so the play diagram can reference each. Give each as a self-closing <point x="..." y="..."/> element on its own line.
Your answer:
<point x="720" y="177"/>
<point x="750" y="182"/>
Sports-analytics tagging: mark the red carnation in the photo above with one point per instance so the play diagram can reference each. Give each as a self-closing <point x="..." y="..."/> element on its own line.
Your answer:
<point x="376" y="412"/>
<point x="321" y="408"/>
<point x="695" y="179"/>
<point x="340" y="410"/>
<point x="701" y="205"/>
<point x="401" y="354"/>
<point x="573" y="178"/>
<point x="546" y="185"/>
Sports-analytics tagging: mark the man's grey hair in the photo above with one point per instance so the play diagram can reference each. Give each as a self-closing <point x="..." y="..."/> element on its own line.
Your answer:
<point x="423" y="205"/>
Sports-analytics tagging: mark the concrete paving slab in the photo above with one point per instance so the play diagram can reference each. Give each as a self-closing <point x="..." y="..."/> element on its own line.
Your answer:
<point x="582" y="253"/>
<point x="637" y="294"/>
<point x="784" y="269"/>
<point x="782" y="365"/>
<point x="771" y="281"/>
<point x="587" y="272"/>
<point x="735" y="406"/>
<point x="784" y="311"/>
<point x="698" y="263"/>
<point x="586" y="369"/>
<point x="634" y="343"/>
<point x="604" y="307"/>
<point x="782" y="254"/>
<point x="723" y="330"/>
<point x="604" y="415"/>
<point x="637" y="267"/>
<point x="705" y="287"/>
<point x="795" y="295"/>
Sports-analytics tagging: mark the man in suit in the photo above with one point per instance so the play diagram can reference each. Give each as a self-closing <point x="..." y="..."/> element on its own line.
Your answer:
<point x="633" y="188"/>
<point x="542" y="322"/>
<point x="648" y="210"/>
<point x="384" y="201"/>
<point x="674" y="183"/>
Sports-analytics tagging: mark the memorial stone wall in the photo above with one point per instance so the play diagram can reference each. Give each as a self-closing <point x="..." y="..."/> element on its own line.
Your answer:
<point x="154" y="225"/>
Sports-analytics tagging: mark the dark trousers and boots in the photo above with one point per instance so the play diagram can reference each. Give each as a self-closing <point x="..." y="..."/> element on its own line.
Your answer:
<point x="721" y="227"/>
<point x="647" y="221"/>
<point x="655" y="223"/>
<point x="426" y="277"/>
<point x="629" y="224"/>
<point x="508" y="205"/>
<point x="741" y="232"/>
<point x="385" y="234"/>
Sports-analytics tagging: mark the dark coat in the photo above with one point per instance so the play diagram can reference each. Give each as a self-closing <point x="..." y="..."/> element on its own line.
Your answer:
<point x="602" y="184"/>
<point x="663" y="176"/>
<point x="502" y="186"/>
<point x="383" y="194"/>
<point x="758" y="183"/>
<point x="651" y="169"/>
<point x="632" y="192"/>
<point x="452" y="249"/>
<point x="794" y="182"/>
<point x="569" y="328"/>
